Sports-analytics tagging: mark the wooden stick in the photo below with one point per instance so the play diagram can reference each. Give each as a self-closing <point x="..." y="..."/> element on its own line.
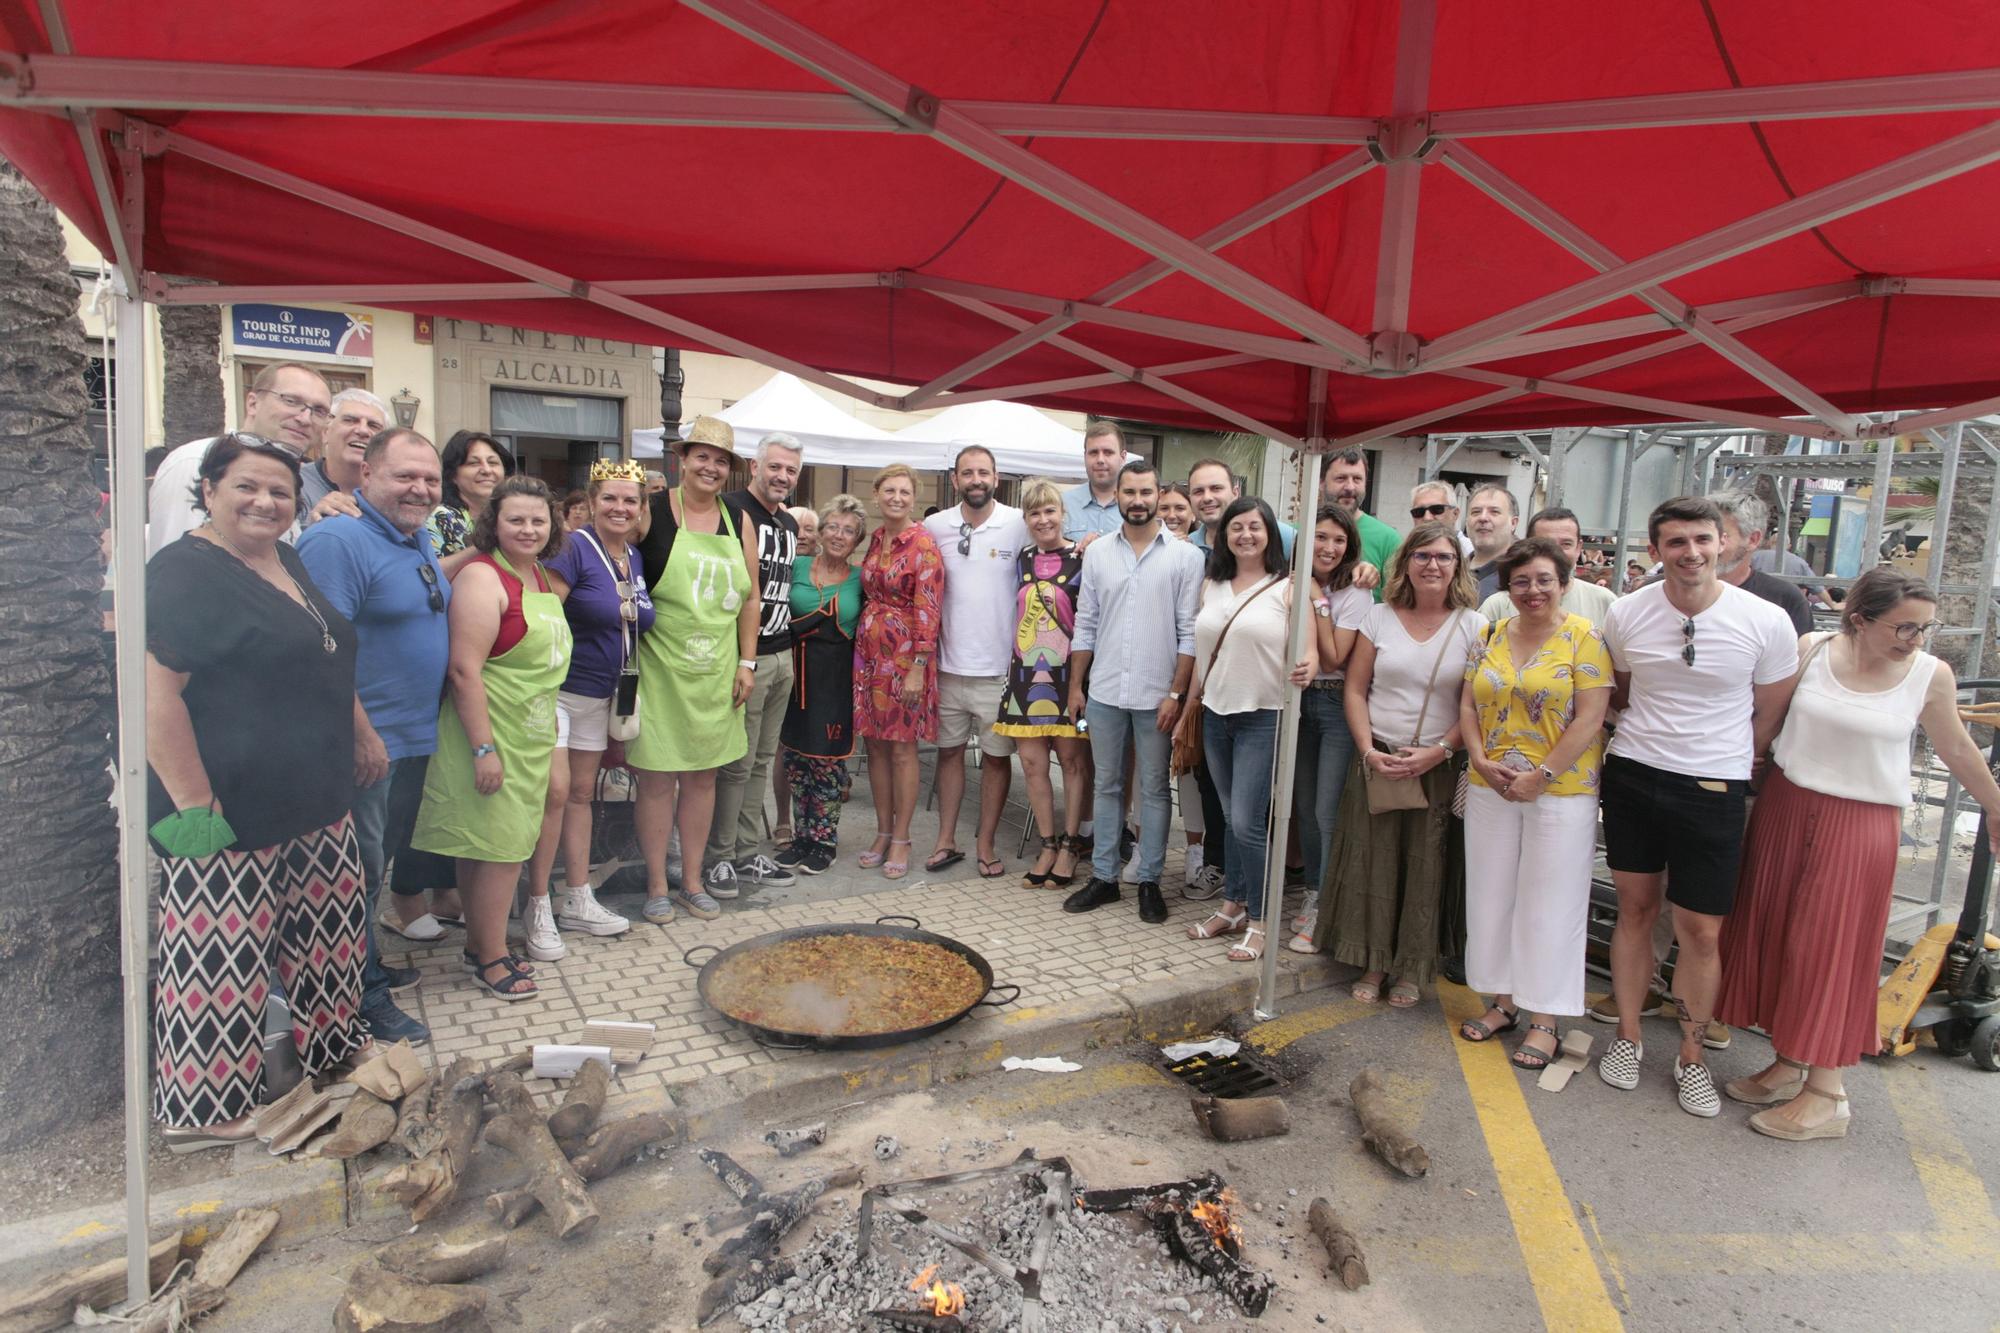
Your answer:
<point x="733" y="1177"/>
<point x="778" y="1214"/>
<point x="1349" y="1264"/>
<point x="551" y="1179"/>
<point x="607" y="1148"/>
<point x="717" y="1223"/>
<point x="223" y="1258"/>
<point x="583" y="1103"/>
<point x="740" y="1286"/>
<point x="52" y="1302"/>
<point x="1232" y="1120"/>
<point x="426" y="1259"/>
<point x="1379" y="1129"/>
<point x="417" y="1130"/>
<point x="379" y="1301"/>
<point x="1190" y="1240"/>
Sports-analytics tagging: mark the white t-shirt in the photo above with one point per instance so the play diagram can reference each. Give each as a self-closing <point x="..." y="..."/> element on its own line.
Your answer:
<point x="977" y="637"/>
<point x="1695" y="720"/>
<point x="1345" y="609"/>
<point x="170" y="509"/>
<point x="1403" y="672"/>
<point x="1249" y="674"/>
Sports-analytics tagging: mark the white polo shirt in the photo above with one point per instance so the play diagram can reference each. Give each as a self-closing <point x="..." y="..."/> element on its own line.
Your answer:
<point x="977" y="638"/>
<point x="1695" y="720"/>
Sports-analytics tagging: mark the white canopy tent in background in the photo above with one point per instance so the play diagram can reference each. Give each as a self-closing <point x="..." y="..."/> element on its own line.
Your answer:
<point x="1025" y="442"/>
<point x="831" y="437"/>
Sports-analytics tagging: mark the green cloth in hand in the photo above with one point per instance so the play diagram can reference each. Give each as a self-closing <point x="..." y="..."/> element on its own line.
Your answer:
<point x="194" y="833"/>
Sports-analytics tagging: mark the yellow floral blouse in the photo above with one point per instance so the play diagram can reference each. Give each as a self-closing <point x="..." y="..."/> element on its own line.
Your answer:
<point x="1523" y="710"/>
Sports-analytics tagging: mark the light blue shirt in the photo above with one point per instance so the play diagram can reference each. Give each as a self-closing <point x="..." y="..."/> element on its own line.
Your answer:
<point x="1135" y="612"/>
<point x="1084" y="516"/>
<point x="1287" y="534"/>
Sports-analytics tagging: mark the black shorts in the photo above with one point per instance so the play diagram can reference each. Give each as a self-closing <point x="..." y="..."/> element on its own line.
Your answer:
<point x="1692" y="828"/>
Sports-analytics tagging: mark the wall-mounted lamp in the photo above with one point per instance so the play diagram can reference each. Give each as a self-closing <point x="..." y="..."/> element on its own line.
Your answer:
<point x="406" y="405"/>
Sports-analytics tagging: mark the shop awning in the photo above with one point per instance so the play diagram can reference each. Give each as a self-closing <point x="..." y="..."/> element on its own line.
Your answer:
<point x="1367" y="218"/>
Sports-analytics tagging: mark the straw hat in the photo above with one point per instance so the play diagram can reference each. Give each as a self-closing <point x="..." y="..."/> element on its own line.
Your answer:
<point x="712" y="431"/>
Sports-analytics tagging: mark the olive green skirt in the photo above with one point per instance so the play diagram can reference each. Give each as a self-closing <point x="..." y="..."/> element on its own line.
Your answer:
<point x="1394" y="896"/>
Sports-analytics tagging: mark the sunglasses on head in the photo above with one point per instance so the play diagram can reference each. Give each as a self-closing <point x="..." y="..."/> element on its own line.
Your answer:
<point x="1428" y="511"/>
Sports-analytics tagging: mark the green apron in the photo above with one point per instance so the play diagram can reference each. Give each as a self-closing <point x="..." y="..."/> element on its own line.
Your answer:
<point x="688" y="721"/>
<point x="521" y="685"/>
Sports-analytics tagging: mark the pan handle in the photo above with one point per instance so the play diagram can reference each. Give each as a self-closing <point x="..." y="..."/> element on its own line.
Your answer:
<point x="1005" y="985"/>
<point x="885" y="920"/>
<point x="769" y="1041"/>
<point x="688" y="957"/>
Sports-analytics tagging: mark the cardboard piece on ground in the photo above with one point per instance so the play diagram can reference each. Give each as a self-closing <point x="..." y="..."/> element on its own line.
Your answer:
<point x="564" y="1061"/>
<point x="629" y="1042"/>
<point x="395" y="1072"/>
<point x="1571" y="1056"/>
<point x="288" y="1122"/>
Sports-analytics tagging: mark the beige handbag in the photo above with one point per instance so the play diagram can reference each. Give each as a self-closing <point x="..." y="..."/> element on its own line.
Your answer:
<point x="1386" y="793"/>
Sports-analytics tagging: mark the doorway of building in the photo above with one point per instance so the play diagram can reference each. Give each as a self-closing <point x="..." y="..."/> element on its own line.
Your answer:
<point x="558" y="437"/>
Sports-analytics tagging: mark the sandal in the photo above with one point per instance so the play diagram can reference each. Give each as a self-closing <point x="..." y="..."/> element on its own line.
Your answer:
<point x="1404" y="995"/>
<point x="1071" y="843"/>
<point x="1478" y="1029"/>
<point x="999" y="868"/>
<point x="784" y="835"/>
<point x="896" y="869"/>
<point x="1219" y="924"/>
<point x="1366" y="991"/>
<point x="1752" y="1093"/>
<point x="1250" y="948"/>
<point x="1039" y="879"/>
<point x="871" y="858"/>
<point x="1528" y="1058"/>
<point x="471" y="964"/>
<point x="512" y="980"/>
<point x="944" y="860"/>
<point x="423" y="930"/>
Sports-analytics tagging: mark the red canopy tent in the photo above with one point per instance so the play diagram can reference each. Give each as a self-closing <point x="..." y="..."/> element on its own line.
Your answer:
<point x="1324" y="221"/>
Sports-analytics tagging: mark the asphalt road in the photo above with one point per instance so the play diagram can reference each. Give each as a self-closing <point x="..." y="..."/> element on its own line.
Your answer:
<point x="1587" y="1209"/>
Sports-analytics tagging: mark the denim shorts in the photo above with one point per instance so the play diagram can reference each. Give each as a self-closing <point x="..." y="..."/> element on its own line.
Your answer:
<point x="1690" y="827"/>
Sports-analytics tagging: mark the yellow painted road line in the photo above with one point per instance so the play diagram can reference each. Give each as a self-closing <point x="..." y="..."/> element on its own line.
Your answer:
<point x="1279" y="1033"/>
<point x="1952" y="1185"/>
<point x="1561" y="1269"/>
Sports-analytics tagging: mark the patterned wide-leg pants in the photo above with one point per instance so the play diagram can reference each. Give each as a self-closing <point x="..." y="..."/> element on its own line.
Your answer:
<point x="815" y="797"/>
<point x="219" y="917"/>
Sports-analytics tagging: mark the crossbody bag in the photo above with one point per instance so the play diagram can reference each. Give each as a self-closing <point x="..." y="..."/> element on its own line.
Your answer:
<point x="1387" y="793"/>
<point x="1187" y="751"/>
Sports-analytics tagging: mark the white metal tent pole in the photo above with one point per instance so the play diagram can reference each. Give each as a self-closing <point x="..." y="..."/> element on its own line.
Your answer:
<point x="128" y="554"/>
<point x="1287" y="754"/>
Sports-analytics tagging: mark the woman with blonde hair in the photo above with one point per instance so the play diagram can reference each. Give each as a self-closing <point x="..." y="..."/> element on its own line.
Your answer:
<point x="1394" y="861"/>
<point x="818" y="734"/>
<point x="1047" y="573"/>
<point x="895" y="661"/>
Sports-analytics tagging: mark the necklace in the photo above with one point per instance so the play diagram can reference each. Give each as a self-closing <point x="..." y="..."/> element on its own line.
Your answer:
<point x="326" y="642"/>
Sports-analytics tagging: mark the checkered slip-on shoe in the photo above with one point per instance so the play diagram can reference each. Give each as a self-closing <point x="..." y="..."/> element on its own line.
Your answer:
<point x="1696" y="1088"/>
<point x="1619" y="1065"/>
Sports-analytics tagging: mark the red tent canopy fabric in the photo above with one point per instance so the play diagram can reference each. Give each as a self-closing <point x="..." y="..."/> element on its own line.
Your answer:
<point x="1791" y="201"/>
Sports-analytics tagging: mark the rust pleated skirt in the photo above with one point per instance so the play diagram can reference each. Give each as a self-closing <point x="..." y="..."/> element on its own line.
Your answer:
<point x="1802" y="951"/>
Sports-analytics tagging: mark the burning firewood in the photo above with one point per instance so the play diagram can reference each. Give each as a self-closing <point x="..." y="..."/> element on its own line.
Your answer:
<point x="1194" y="1239"/>
<point x="1349" y="1265"/>
<point x="1379" y="1129"/>
<point x="776" y="1215"/>
<point x="1178" y="1193"/>
<point x="733" y="1177"/>
<point x="1236" y="1119"/>
<point x="938" y="1314"/>
<point x="551" y="1179"/>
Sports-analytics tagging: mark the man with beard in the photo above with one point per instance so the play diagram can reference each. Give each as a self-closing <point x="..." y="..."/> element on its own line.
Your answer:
<point x="287" y="404"/>
<point x="1490" y="516"/>
<point x="1743" y="519"/>
<point x="1211" y="486"/>
<point x="327" y="485"/>
<point x="1704" y="674"/>
<point x="733" y="838"/>
<point x="1131" y="658"/>
<point x="1345" y="482"/>
<point x="377" y="568"/>
<point x="979" y="540"/>
<point x="1090" y="509"/>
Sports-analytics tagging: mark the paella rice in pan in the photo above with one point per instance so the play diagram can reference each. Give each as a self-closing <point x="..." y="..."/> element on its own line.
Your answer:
<point x="845" y="985"/>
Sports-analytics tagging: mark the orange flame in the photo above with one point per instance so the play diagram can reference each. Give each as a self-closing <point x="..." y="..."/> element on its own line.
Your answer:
<point x="1215" y="1216"/>
<point x="946" y="1298"/>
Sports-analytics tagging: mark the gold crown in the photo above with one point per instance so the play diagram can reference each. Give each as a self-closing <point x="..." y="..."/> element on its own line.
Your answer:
<point x="611" y="469"/>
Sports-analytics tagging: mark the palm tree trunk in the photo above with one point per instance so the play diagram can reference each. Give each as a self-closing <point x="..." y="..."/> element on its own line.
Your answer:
<point x="191" y="397"/>
<point x="59" y="981"/>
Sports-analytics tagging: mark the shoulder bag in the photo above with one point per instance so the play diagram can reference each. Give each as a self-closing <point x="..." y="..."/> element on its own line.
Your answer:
<point x="1386" y="793"/>
<point x="1187" y="755"/>
<point x="624" y="723"/>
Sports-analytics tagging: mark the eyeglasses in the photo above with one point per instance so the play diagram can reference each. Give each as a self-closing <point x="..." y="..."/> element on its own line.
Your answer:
<point x="965" y="539"/>
<point x="1910" y="631"/>
<point x="429" y="574"/>
<point x="1433" y="558"/>
<point x="298" y="404"/>
<point x="1428" y="511"/>
<point x="1687" y="635"/>
<point x="1532" y="585"/>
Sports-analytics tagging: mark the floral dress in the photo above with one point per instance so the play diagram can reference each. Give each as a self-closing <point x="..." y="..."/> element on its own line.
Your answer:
<point x="902" y="584"/>
<point x="451" y="530"/>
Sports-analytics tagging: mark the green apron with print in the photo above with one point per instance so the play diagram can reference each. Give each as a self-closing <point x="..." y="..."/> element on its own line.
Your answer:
<point x="688" y="721"/>
<point x="521" y="685"/>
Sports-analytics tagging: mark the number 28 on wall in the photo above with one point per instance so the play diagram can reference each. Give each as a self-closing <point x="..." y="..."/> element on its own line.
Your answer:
<point x="447" y="363"/>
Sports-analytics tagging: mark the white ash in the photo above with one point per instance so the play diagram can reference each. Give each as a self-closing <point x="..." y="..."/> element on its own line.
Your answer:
<point x="1104" y="1271"/>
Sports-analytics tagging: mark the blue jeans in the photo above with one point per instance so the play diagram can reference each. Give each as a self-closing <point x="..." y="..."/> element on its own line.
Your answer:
<point x="1110" y="729"/>
<point x="1239" y="748"/>
<point x="1326" y="750"/>
<point x="380" y="825"/>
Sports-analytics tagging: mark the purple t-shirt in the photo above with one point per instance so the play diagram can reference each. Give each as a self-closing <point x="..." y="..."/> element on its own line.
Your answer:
<point x="599" y="651"/>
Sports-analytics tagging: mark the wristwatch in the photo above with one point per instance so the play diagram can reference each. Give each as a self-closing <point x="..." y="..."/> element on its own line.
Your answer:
<point x="481" y="751"/>
<point x="747" y="663"/>
<point x="1175" y="695"/>
<point x="1548" y="774"/>
<point x="1446" y="747"/>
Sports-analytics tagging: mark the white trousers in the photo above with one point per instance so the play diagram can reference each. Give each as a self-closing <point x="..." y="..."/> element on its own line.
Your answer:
<point x="1527" y="897"/>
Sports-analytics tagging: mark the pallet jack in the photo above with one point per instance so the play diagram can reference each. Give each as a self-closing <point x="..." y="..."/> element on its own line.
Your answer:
<point x="1949" y="982"/>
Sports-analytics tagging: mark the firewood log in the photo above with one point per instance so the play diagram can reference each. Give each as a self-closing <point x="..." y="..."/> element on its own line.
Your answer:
<point x="1230" y="1121"/>
<point x="551" y="1179"/>
<point x="603" y="1151"/>
<point x="583" y="1103"/>
<point x="428" y="1185"/>
<point x="1379" y="1129"/>
<point x="1349" y="1264"/>
<point x="51" y="1302"/>
<point x="427" y="1259"/>
<point x="379" y="1301"/>
<point x="367" y="1123"/>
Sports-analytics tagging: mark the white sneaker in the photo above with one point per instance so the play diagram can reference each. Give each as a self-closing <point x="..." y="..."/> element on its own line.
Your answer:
<point x="1308" y="913"/>
<point x="582" y="911"/>
<point x="1194" y="860"/>
<point x="539" y="924"/>
<point x="1204" y="885"/>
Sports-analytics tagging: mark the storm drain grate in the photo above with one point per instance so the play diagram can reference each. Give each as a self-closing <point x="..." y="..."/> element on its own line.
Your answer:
<point x="1225" y="1075"/>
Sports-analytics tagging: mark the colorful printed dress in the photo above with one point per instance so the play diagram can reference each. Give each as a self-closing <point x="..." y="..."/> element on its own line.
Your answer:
<point x="1044" y="618"/>
<point x="902" y="586"/>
